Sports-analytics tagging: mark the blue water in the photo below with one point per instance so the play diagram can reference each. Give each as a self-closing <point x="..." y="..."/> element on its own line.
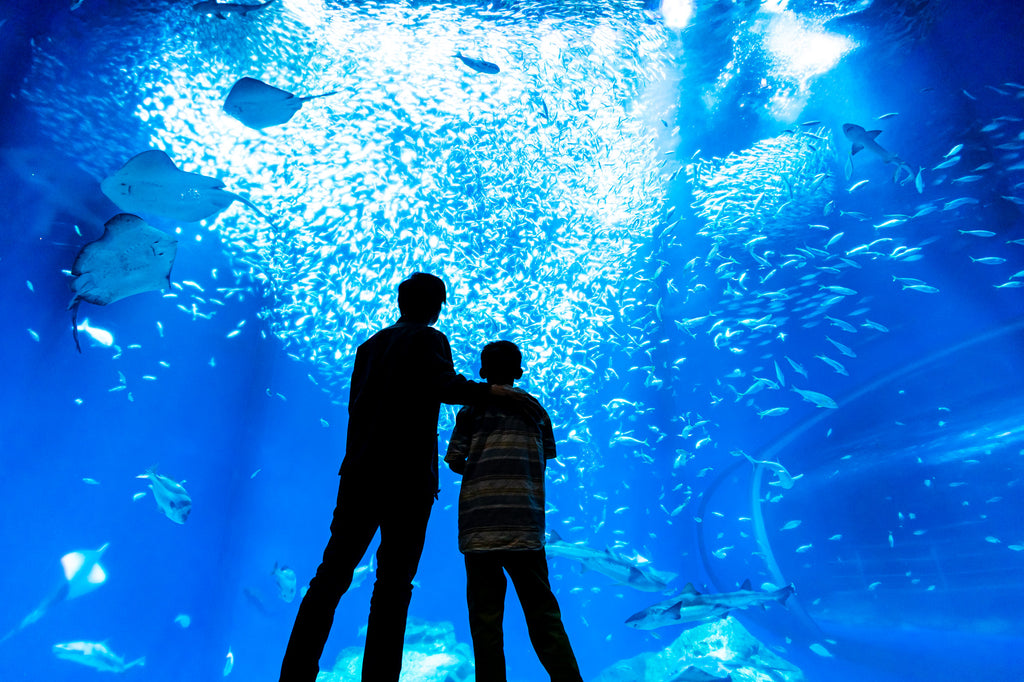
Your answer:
<point x="648" y="206"/>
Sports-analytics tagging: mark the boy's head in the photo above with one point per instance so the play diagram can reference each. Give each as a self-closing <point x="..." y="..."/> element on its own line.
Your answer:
<point x="420" y="298"/>
<point x="501" y="363"/>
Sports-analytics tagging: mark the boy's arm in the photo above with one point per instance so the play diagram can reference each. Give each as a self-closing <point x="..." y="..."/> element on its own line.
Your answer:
<point x="458" y="444"/>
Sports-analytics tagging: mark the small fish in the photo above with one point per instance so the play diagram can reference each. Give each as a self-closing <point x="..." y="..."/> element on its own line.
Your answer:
<point x="838" y="367"/>
<point x="919" y="180"/>
<point x="845" y="350"/>
<point x="790" y="525"/>
<point x="478" y="65"/>
<point x="773" y="412"/>
<point x="957" y="203"/>
<point x="967" y="178"/>
<point x="797" y="367"/>
<point x="954" y="151"/>
<point x="819" y="399"/>
<point x="923" y="288"/>
<point x="820" y="650"/>
<point x="989" y="260"/>
<point x="805" y="548"/>
<point x="229" y="662"/>
<point x="887" y="116"/>
<point x="90" y="481"/>
<point x="857" y="184"/>
<point x="841" y="324"/>
<point x="100" y="336"/>
<point x="978" y="233"/>
<point x="947" y="164"/>
<point x="183" y="620"/>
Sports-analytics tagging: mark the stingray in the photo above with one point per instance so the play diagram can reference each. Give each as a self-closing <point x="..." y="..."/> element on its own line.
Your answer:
<point x="259" y="105"/>
<point x="151" y="184"/>
<point x="82" y="574"/>
<point x="131" y="257"/>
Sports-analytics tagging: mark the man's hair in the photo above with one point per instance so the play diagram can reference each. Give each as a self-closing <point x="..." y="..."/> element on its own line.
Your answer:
<point x="500" y="359"/>
<point x="421" y="296"/>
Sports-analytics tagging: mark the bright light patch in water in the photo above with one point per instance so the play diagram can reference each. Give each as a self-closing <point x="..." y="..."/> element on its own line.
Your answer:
<point x="677" y="13"/>
<point x="801" y="50"/>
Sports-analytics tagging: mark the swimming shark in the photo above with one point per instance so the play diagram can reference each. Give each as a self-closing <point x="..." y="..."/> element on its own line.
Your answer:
<point x="82" y="574"/>
<point x="628" y="572"/>
<point x="783" y="479"/>
<point x="865" y="139"/>
<point x="691" y="605"/>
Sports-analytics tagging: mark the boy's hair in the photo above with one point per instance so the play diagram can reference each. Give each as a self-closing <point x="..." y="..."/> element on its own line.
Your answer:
<point x="421" y="296"/>
<point x="501" y="359"/>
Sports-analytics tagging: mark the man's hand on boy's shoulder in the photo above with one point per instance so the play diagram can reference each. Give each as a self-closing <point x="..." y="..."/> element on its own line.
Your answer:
<point x="509" y="397"/>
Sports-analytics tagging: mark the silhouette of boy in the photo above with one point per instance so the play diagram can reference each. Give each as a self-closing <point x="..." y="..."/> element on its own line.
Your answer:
<point x="502" y="456"/>
<point x="401" y="376"/>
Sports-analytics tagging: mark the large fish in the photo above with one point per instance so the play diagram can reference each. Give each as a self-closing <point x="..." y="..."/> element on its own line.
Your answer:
<point x="865" y="139"/>
<point x="691" y="605"/>
<point x="286" y="582"/>
<point x="95" y="655"/>
<point x="172" y="499"/>
<point x="619" y="569"/>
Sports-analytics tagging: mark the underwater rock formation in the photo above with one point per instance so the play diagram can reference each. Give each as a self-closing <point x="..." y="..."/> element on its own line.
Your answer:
<point x="722" y="650"/>
<point x="432" y="654"/>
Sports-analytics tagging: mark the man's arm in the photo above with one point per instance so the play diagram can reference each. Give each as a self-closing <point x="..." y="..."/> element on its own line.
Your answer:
<point x="452" y="388"/>
<point x="455" y="389"/>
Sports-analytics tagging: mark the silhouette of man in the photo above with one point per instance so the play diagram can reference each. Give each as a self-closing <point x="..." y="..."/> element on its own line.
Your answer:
<point x="401" y="376"/>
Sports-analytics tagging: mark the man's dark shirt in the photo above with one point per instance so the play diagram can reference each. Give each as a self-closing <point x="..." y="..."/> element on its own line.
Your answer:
<point x="402" y="374"/>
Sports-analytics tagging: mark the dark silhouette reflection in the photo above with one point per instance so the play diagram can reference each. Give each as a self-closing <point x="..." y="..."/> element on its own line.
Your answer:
<point x="402" y="374"/>
<point x="502" y="455"/>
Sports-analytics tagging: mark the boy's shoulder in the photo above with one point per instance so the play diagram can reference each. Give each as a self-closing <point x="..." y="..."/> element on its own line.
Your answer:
<point x="544" y="417"/>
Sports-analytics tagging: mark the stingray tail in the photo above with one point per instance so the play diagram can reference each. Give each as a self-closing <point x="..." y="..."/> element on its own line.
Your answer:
<point x="251" y="205"/>
<point x="325" y="94"/>
<point x="73" y="307"/>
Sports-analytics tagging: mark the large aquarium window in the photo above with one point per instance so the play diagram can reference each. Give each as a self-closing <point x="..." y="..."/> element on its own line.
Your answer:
<point x="764" y="261"/>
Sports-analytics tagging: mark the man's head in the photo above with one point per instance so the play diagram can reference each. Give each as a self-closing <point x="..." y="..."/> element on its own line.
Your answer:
<point x="420" y="298"/>
<point x="501" y="363"/>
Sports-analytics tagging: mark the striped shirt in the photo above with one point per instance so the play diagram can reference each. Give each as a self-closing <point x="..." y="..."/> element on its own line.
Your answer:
<point x="501" y="504"/>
